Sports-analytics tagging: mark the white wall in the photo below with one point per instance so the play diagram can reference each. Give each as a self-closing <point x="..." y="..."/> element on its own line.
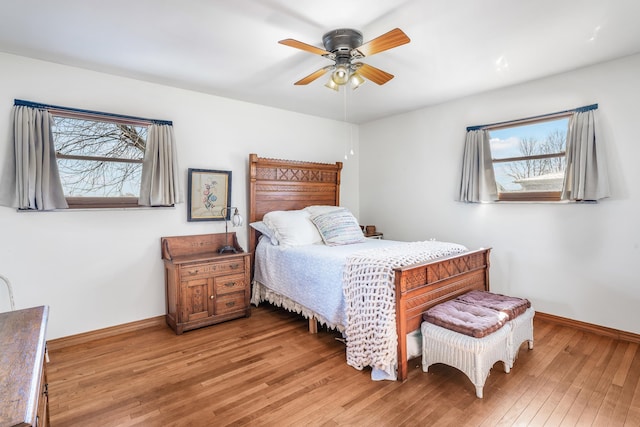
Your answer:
<point x="100" y="269"/>
<point x="570" y="260"/>
<point x="97" y="269"/>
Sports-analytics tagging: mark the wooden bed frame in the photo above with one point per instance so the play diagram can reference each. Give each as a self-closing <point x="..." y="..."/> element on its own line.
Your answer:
<point x="288" y="185"/>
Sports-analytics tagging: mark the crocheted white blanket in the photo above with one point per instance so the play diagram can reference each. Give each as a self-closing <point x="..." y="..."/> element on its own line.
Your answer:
<point x="369" y="289"/>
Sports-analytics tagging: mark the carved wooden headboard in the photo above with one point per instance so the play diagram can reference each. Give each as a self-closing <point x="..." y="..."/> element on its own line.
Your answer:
<point x="282" y="185"/>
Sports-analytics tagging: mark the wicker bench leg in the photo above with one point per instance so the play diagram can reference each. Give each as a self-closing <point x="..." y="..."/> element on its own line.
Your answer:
<point x="521" y="331"/>
<point x="479" y="391"/>
<point x="473" y="356"/>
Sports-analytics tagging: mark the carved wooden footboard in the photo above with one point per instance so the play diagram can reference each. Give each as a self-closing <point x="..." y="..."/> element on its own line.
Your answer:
<point x="287" y="185"/>
<point x="421" y="286"/>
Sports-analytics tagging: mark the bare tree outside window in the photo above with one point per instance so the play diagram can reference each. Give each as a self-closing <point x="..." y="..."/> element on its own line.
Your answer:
<point x="530" y="158"/>
<point x="532" y="166"/>
<point x="99" y="158"/>
<point x="556" y="142"/>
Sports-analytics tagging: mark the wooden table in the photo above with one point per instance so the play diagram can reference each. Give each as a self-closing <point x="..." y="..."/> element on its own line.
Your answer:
<point x="24" y="399"/>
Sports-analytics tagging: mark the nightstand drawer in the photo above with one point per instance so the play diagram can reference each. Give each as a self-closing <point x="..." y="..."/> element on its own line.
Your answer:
<point x="229" y="284"/>
<point x="230" y="303"/>
<point x="209" y="269"/>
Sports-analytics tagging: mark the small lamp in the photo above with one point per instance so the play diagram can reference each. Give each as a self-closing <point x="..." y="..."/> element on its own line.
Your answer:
<point x="236" y="221"/>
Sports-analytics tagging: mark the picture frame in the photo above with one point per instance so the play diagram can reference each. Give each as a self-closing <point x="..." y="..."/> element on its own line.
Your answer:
<point x="208" y="193"/>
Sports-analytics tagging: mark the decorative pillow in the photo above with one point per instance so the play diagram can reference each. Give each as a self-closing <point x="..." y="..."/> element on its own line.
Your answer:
<point x="321" y="209"/>
<point x="265" y="231"/>
<point x="292" y="228"/>
<point x="338" y="228"/>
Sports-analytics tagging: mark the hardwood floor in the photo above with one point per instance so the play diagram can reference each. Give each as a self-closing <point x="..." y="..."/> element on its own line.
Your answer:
<point x="268" y="370"/>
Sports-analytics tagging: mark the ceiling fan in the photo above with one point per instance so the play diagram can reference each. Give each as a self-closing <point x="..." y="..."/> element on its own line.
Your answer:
<point x="344" y="46"/>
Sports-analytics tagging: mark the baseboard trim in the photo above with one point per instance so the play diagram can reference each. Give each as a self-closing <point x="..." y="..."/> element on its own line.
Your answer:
<point x="60" y="343"/>
<point x="590" y="327"/>
<point x="83" y="338"/>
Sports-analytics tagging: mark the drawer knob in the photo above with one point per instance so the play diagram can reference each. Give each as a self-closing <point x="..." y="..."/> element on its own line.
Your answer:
<point x="211" y="297"/>
<point x="234" y="266"/>
<point x="231" y="303"/>
<point x="230" y="284"/>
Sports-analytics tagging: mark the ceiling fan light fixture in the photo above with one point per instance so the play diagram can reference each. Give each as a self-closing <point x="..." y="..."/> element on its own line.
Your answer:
<point x="332" y="85"/>
<point x="341" y="75"/>
<point x="356" y="81"/>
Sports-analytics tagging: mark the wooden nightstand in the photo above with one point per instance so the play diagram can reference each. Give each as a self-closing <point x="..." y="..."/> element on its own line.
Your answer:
<point x="204" y="287"/>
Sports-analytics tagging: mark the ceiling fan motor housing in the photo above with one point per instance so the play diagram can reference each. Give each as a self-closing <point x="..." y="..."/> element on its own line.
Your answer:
<point x="342" y="41"/>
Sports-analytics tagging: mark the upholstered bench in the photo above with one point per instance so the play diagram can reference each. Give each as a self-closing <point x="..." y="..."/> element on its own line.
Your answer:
<point x="474" y="331"/>
<point x="467" y="337"/>
<point x="519" y="316"/>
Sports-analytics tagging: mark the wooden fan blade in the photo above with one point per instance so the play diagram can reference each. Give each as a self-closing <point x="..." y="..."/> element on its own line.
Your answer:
<point x="311" y="77"/>
<point x="303" y="46"/>
<point x="374" y="74"/>
<point x="393" y="38"/>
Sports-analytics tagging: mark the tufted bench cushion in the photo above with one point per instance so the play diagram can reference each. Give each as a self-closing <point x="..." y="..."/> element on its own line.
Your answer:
<point x="511" y="306"/>
<point x="473" y="320"/>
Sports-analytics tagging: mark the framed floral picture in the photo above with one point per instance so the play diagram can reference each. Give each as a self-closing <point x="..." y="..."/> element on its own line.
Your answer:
<point x="208" y="193"/>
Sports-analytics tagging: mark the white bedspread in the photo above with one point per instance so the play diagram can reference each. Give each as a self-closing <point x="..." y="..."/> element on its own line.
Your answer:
<point x="321" y="281"/>
<point x="307" y="279"/>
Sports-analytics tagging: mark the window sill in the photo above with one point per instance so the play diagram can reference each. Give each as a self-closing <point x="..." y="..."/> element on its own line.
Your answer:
<point x="543" y="202"/>
<point x="101" y="209"/>
<point x="522" y="202"/>
<point x="530" y="196"/>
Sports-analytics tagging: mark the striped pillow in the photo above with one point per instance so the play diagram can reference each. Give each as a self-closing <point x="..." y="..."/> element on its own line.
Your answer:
<point x="338" y="228"/>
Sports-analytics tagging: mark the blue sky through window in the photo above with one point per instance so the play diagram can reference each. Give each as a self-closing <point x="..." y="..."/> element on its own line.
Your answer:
<point x="505" y="143"/>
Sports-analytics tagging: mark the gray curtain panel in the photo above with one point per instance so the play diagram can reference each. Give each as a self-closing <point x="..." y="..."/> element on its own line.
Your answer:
<point x="586" y="176"/>
<point x="31" y="180"/>
<point x="160" y="183"/>
<point x="478" y="182"/>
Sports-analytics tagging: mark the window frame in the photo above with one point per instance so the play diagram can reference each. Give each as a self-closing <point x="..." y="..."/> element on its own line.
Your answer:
<point x="529" y="196"/>
<point x="99" y="202"/>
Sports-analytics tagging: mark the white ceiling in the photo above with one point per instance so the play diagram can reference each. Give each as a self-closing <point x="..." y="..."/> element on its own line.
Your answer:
<point x="229" y="47"/>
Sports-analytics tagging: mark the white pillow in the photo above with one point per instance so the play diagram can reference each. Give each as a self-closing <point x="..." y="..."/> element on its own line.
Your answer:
<point x="320" y="209"/>
<point x="338" y="228"/>
<point x="292" y="228"/>
<point x="265" y="231"/>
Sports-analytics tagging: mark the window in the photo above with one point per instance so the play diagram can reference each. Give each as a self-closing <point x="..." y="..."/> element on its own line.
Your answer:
<point x="99" y="159"/>
<point x="529" y="159"/>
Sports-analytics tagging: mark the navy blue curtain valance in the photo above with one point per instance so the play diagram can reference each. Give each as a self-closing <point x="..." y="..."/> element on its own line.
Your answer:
<point x="575" y="110"/>
<point x="81" y="111"/>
